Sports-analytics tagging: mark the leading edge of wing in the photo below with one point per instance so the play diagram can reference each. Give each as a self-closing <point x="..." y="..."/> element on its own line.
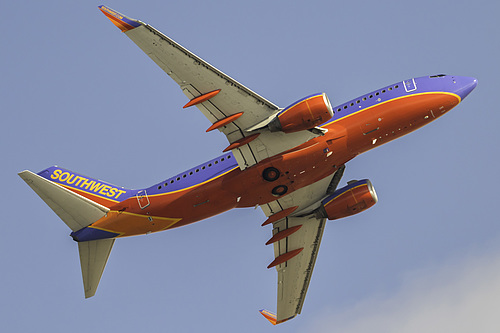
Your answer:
<point x="125" y="24"/>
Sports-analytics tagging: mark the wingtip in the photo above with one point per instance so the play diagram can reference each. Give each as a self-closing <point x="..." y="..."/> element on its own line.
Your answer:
<point x="20" y="174"/>
<point x="269" y="316"/>
<point x="123" y="22"/>
<point x="272" y="317"/>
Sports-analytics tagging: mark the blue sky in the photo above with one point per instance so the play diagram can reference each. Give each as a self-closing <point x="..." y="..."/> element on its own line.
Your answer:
<point x="77" y="93"/>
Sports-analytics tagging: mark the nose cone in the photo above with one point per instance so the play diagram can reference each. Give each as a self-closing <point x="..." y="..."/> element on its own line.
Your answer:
<point x="464" y="85"/>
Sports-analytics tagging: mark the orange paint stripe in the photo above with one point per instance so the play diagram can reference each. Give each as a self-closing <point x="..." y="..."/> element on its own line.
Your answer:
<point x="196" y="185"/>
<point x="392" y="100"/>
<point x="134" y="223"/>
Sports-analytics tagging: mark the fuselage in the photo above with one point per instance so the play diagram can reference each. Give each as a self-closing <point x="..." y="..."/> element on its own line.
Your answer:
<point x="219" y="185"/>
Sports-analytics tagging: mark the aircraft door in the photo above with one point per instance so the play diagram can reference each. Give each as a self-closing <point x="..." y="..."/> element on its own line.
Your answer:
<point x="142" y="199"/>
<point x="410" y="85"/>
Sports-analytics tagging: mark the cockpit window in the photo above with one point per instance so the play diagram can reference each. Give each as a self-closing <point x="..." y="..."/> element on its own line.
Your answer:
<point x="438" y="75"/>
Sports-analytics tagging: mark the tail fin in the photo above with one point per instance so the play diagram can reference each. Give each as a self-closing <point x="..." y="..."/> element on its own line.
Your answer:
<point x="75" y="210"/>
<point x="78" y="212"/>
<point x="96" y="190"/>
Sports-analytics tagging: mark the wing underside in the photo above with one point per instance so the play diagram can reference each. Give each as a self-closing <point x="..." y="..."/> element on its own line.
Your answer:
<point x="296" y="240"/>
<point x="197" y="78"/>
<point x="295" y="274"/>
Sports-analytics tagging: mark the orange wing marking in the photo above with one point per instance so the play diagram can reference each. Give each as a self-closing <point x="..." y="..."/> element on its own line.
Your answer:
<point x="280" y="215"/>
<point x="285" y="257"/>
<point x="225" y="121"/>
<point x="241" y="142"/>
<point x="283" y="234"/>
<point x="202" y="98"/>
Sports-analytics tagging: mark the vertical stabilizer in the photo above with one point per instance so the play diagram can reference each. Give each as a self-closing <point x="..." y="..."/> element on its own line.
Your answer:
<point x="93" y="257"/>
<point x="75" y="210"/>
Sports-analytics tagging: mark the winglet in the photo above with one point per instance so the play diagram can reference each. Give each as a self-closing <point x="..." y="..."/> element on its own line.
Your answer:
<point x="269" y="316"/>
<point x="121" y="21"/>
<point x="272" y="317"/>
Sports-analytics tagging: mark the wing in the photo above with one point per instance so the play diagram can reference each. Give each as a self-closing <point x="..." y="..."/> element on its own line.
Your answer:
<point x="296" y="239"/>
<point x="295" y="274"/>
<point x="228" y="105"/>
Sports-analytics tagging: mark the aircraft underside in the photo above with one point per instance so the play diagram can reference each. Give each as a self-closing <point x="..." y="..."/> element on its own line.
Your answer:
<point x="289" y="161"/>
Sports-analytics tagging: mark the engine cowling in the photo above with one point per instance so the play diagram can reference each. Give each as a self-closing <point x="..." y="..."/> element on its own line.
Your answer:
<point x="352" y="199"/>
<point x="302" y="115"/>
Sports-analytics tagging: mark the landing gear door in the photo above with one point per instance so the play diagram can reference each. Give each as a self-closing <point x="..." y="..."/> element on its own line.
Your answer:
<point x="142" y="199"/>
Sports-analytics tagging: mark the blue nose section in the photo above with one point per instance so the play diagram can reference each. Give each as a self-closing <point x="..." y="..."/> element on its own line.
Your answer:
<point x="464" y="85"/>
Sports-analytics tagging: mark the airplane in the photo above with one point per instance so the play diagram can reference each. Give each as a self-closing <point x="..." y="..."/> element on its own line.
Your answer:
<point x="288" y="161"/>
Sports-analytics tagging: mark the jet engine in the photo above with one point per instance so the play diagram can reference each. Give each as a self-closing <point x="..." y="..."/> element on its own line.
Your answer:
<point x="354" y="198"/>
<point x="302" y="115"/>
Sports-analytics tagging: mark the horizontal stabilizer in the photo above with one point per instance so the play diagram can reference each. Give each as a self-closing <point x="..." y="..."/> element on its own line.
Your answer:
<point x="75" y="210"/>
<point x="93" y="258"/>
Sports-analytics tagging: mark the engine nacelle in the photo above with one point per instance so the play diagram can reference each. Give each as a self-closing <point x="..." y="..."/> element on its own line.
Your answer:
<point x="352" y="199"/>
<point x="302" y="115"/>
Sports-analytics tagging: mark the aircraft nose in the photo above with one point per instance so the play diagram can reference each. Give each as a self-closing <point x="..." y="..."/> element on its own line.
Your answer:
<point x="465" y="85"/>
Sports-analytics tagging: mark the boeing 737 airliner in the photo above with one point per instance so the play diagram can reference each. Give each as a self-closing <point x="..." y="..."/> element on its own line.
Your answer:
<point x="289" y="161"/>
